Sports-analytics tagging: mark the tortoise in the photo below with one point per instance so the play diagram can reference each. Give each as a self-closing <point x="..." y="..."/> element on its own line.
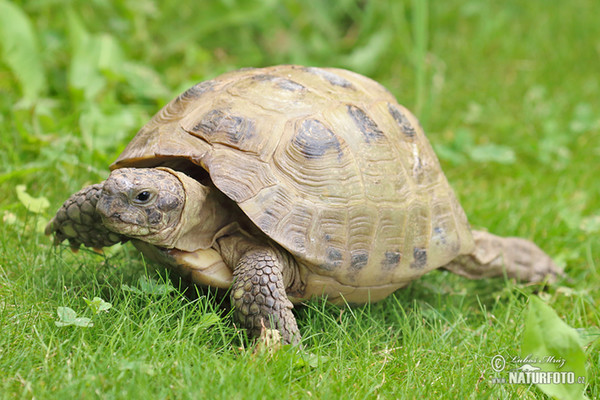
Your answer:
<point x="287" y="183"/>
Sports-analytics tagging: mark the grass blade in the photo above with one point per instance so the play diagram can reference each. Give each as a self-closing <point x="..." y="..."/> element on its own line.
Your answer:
<point x="420" y="38"/>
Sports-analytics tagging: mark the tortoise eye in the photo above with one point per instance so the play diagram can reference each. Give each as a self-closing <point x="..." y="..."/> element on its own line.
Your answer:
<point x="143" y="196"/>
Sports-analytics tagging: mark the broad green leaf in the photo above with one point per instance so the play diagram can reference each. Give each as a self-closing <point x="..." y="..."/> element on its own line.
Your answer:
<point x="494" y="153"/>
<point x="149" y="286"/>
<point x="33" y="204"/>
<point x="449" y="153"/>
<point x="83" y="322"/>
<point x="9" y="218"/>
<point x="366" y="59"/>
<point x="455" y="151"/>
<point x="113" y="250"/>
<point x="110" y="55"/>
<point x="464" y="139"/>
<point x="102" y="131"/>
<point x="590" y="224"/>
<point x="20" y="50"/>
<point x="571" y="217"/>
<point x="209" y="319"/>
<point x="83" y="74"/>
<point x="553" y="145"/>
<point x="131" y="289"/>
<point x="546" y="335"/>
<point x="94" y="58"/>
<point x="138" y="366"/>
<point x="67" y="316"/>
<point x="40" y="225"/>
<point x="302" y="358"/>
<point x="97" y="305"/>
<point x="313" y="360"/>
<point x="144" y="81"/>
<point x="584" y="119"/>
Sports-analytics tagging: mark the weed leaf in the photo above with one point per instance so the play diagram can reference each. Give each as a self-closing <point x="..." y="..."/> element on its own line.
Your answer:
<point x="305" y="359"/>
<point x="97" y="305"/>
<point x="209" y="319"/>
<point x="545" y="336"/>
<point x="137" y="366"/>
<point x="67" y="316"/>
<point x="9" y="218"/>
<point x="131" y="289"/>
<point x="366" y="58"/>
<point x="150" y="287"/>
<point x="493" y="152"/>
<point x="590" y="224"/>
<point x="33" y="204"/>
<point x="20" y="50"/>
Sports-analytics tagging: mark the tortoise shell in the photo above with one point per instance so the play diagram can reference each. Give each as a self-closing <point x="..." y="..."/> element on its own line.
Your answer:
<point x="323" y="161"/>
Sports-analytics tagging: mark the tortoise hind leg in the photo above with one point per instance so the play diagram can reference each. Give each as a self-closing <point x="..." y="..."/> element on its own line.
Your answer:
<point x="495" y="256"/>
<point x="259" y="298"/>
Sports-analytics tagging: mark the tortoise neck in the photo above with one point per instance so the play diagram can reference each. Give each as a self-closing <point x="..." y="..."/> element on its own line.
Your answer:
<point x="206" y="216"/>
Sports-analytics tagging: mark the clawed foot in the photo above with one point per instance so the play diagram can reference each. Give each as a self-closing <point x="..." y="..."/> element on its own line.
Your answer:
<point x="258" y="296"/>
<point x="269" y="340"/>
<point x="78" y="222"/>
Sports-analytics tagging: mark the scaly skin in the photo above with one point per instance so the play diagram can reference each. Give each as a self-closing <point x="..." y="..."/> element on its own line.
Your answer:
<point x="496" y="256"/>
<point x="262" y="271"/>
<point x="78" y="221"/>
<point x="259" y="298"/>
<point x="258" y="293"/>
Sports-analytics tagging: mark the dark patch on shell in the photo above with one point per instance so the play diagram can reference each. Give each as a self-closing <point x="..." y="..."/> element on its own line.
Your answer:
<point x="334" y="259"/>
<point x="331" y="77"/>
<point x="439" y="234"/>
<point x="367" y="126"/>
<point x="359" y="259"/>
<point x="420" y="258"/>
<point x="196" y="91"/>
<point x="334" y="254"/>
<point x="391" y="260"/>
<point x="282" y="83"/>
<point x="314" y="139"/>
<point x="236" y="128"/>
<point x="402" y="121"/>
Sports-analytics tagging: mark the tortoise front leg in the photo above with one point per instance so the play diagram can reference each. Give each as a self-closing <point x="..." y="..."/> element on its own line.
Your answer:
<point x="259" y="298"/>
<point x="78" y="221"/>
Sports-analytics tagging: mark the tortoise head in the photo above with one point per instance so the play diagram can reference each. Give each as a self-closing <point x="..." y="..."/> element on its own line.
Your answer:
<point x="142" y="203"/>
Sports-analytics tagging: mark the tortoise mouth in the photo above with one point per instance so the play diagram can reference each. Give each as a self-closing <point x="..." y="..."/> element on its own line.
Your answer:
<point x="117" y="225"/>
<point x="120" y="217"/>
<point x="142" y="204"/>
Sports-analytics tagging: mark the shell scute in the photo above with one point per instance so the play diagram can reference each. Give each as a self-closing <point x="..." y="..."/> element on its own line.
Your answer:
<point x="323" y="161"/>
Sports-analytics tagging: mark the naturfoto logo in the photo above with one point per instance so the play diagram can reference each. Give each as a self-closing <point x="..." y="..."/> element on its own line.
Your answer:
<point x="528" y="373"/>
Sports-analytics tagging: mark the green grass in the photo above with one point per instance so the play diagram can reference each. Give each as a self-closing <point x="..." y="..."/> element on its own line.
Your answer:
<point x="507" y="91"/>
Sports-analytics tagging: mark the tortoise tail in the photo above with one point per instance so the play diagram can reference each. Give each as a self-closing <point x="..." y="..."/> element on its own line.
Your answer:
<point x="496" y="256"/>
